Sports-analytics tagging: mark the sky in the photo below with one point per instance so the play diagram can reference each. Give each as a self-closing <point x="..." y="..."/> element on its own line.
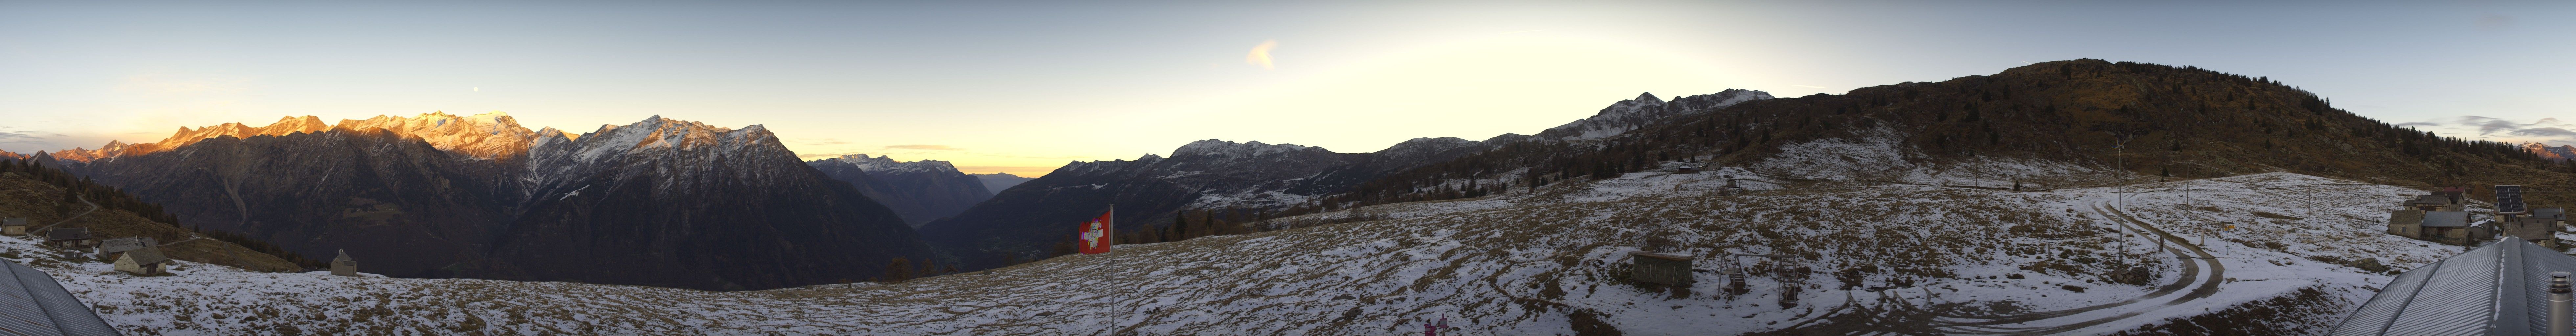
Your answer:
<point x="1025" y="87"/>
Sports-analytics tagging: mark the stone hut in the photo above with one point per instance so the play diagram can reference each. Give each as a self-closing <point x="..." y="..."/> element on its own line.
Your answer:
<point x="142" y="261"/>
<point x="2558" y="216"/>
<point x="2447" y="227"/>
<point x="2406" y="223"/>
<point x="70" y="238"/>
<point x="343" y="266"/>
<point x="112" y="246"/>
<point x="1662" y="268"/>
<point x="2534" y="229"/>
<point x="13" y="226"/>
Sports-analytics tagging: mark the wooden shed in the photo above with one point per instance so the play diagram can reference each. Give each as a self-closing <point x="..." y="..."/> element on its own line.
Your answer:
<point x="1662" y="268"/>
<point x="13" y="226"/>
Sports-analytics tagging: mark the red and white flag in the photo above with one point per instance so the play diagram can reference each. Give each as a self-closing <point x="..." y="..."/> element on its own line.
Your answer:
<point x="1096" y="234"/>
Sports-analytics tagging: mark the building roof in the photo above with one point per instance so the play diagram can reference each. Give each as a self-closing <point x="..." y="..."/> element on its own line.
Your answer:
<point x="13" y="222"/>
<point x="146" y="256"/>
<point x="2498" y="289"/>
<point x="31" y="303"/>
<point x="344" y="257"/>
<point x="114" y="245"/>
<point x="2446" y="219"/>
<point x="67" y="234"/>
<point x="2551" y="213"/>
<point x="2426" y="200"/>
<point x="1664" y="256"/>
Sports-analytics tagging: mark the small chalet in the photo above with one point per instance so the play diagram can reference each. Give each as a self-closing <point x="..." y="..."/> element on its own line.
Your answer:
<point x="112" y="246"/>
<point x="343" y="266"/>
<point x="1662" y="268"/>
<point x="70" y="238"/>
<point x="13" y="226"/>
<point x="142" y="261"/>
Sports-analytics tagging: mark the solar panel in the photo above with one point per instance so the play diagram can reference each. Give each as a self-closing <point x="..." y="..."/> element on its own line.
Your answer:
<point x="2509" y="199"/>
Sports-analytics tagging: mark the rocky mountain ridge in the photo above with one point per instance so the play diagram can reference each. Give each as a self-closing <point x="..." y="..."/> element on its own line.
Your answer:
<point x="1627" y="115"/>
<point x="2553" y="154"/>
<point x="658" y="202"/>
<point x="489" y="135"/>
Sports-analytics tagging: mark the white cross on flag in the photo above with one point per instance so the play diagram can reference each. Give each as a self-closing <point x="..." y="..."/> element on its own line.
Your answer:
<point x="1095" y="234"/>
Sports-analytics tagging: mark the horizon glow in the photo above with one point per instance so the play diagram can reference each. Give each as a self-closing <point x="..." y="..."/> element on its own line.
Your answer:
<point x="1025" y="88"/>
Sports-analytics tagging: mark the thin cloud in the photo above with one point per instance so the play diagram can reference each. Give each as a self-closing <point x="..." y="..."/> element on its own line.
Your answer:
<point x="24" y="136"/>
<point x="1260" y="54"/>
<point x="2544" y="132"/>
<point x="929" y="147"/>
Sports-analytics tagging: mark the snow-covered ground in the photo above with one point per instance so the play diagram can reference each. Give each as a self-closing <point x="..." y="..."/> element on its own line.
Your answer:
<point x="1526" y="262"/>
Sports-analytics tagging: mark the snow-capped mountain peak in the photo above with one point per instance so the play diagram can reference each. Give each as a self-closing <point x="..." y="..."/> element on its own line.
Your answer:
<point x="1232" y="149"/>
<point x="1628" y="115"/>
<point x="489" y="135"/>
<point x="657" y="133"/>
<point x="888" y="164"/>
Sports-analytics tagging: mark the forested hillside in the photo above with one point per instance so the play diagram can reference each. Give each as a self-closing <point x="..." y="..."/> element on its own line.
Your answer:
<point x="2151" y="119"/>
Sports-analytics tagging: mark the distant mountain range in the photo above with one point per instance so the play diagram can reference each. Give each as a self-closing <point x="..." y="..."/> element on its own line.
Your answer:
<point x="1023" y="222"/>
<point x="919" y="191"/>
<point x="658" y="202"/>
<point x="997" y="182"/>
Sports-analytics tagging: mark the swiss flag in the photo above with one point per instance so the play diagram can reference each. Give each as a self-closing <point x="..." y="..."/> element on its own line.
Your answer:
<point x="1096" y="234"/>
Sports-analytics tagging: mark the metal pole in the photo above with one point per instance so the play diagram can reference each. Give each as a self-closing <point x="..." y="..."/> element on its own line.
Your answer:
<point x="2120" y="200"/>
<point x="2559" y="299"/>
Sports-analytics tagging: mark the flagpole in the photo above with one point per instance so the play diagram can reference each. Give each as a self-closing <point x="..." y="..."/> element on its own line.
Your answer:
<point x="1115" y="302"/>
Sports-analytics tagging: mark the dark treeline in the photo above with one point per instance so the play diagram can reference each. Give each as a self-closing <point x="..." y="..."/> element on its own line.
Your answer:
<point x="75" y="189"/>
